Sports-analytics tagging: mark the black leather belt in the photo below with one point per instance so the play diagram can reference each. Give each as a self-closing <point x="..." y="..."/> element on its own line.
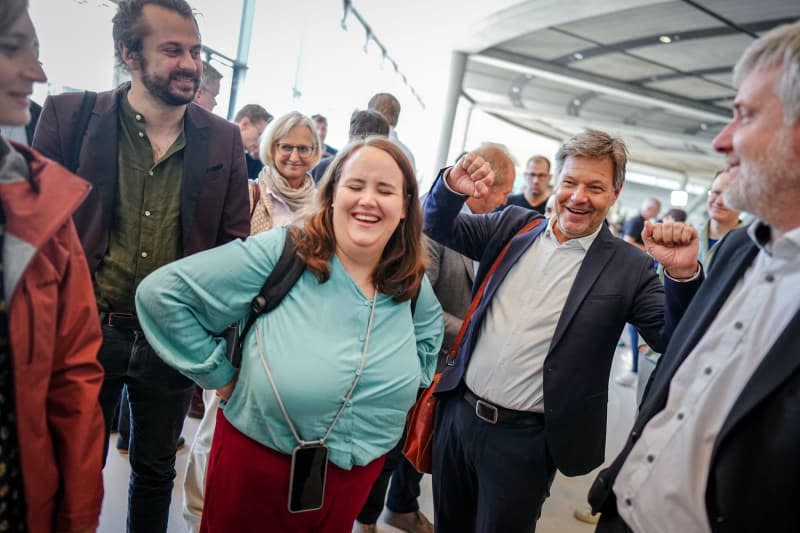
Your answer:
<point x="120" y="320"/>
<point x="494" y="414"/>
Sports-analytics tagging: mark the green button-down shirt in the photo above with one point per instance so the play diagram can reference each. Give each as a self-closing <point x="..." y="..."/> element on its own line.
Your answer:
<point x="145" y="233"/>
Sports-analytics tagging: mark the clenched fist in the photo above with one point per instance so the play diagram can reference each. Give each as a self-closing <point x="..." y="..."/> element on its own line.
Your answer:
<point x="471" y="176"/>
<point x="674" y="245"/>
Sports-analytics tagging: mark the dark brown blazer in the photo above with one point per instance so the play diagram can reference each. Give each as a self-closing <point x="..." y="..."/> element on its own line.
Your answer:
<point x="214" y="201"/>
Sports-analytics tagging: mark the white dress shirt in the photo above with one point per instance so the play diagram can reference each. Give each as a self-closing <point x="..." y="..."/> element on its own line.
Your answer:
<point x="507" y="362"/>
<point x="662" y="485"/>
<point x="15" y="133"/>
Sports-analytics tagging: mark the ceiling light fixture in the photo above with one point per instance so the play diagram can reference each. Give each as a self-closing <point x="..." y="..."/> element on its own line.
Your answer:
<point x="666" y="39"/>
<point x="578" y="56"/>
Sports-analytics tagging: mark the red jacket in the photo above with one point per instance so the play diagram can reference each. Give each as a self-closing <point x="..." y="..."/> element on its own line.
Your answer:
<point x="55" y="336"/>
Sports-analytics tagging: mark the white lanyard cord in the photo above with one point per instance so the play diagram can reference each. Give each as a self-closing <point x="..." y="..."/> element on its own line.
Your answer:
<point x="301" y="442"/>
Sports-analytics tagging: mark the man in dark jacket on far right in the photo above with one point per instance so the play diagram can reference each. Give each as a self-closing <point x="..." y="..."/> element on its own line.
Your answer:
<point x="714" y="447"/>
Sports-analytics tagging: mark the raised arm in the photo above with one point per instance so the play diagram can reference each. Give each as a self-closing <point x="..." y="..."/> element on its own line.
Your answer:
<point x="443" y="220"/>
<point x="674" y="246"/>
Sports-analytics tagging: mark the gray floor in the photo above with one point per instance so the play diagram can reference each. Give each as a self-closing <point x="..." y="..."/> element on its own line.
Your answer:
<point x="567" y="494"/>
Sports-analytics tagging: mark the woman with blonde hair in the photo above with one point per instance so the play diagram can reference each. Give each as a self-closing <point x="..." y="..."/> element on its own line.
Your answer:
<point x="328" y="376"/>
<point x="289" y="149"/>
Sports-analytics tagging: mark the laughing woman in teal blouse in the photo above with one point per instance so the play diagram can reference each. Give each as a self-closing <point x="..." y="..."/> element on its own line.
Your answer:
<point x="345" y="354"/>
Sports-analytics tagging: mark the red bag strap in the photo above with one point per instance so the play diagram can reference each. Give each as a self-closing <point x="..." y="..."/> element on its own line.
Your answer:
<point x="451" y="356"/>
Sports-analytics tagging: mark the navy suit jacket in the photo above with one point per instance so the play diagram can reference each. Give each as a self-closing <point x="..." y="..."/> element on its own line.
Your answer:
<point x="756" y="459"/>
<point x="614" y="285"/>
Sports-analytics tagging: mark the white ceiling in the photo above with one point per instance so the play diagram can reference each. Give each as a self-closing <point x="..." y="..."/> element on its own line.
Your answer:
<point x="556" y="68"/>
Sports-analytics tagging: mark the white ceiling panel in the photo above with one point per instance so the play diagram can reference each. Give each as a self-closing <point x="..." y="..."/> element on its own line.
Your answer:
<point x="692" y="87"/>
<point x="619" y="66"/>
<point x="641" y="22"/>
<point x="697" y="54"/>
<point x="545" y="44"/>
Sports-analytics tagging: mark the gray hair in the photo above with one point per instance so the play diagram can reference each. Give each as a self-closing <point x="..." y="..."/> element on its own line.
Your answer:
<point x="210" y="76"/>
<point x="501" y="161"/>
<point x="778" y="48"/>
<point x="595" y="144"/>
<point x="281" y="127"/>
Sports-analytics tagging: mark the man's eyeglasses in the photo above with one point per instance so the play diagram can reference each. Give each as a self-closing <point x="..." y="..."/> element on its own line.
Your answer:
<point x="714" y="194"/>
<point x="302" y="149"/>
<point x="536" y="174"/>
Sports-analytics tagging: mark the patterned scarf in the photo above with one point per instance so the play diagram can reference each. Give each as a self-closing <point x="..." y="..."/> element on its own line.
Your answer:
<point x="261" y="210"/>
<point x="294" y="198"/>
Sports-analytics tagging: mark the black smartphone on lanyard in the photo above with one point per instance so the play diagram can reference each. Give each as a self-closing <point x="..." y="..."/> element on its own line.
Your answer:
<point x="307" y="478"/>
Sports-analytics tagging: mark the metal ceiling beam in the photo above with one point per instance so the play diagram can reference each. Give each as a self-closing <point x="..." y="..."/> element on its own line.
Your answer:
<point x="555" y="118"/>
<point x="591" y="82"/>
<point x="728" y="22"/>
<point x="653" y="40"/>
<point x="697" y="73"/>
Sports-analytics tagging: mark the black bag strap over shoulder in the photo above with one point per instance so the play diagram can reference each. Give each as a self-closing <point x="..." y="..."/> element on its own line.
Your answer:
<point x="84" y="114"/>
<point x="280" y="281"/>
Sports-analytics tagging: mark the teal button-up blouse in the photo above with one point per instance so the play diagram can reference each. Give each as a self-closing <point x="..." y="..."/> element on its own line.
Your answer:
<point x="312" y="342"/>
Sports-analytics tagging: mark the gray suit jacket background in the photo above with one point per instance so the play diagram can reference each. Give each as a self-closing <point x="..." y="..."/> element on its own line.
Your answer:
<point x="451" y="275"/>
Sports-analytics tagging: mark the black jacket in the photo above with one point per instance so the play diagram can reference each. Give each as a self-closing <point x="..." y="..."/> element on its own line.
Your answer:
<point x="755" y="466"/>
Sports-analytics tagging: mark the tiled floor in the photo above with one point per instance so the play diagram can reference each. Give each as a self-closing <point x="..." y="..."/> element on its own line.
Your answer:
<point x="567" y="494"/>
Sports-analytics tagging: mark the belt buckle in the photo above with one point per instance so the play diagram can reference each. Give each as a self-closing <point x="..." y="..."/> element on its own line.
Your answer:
<point x="480" y="406"/>
<point x="122" y="320"/>
<point x="105" y="318"/>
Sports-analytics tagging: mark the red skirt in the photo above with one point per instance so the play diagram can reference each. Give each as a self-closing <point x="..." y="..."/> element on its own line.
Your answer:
<point x="247" y="487"/>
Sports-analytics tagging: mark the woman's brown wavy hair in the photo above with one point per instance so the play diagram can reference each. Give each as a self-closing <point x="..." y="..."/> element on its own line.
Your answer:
<point x="402" y="264"/>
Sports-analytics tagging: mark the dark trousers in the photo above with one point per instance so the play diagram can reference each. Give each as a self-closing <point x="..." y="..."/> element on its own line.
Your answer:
<point x="123" y="420"/>
<point x="159" y="399"/>
<point x="404" y="489"/>
<point x="487" y="477"/>
<point x="403" y="492"/>
<point x="633" y="335"/>
<point x="612" y="523"/>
